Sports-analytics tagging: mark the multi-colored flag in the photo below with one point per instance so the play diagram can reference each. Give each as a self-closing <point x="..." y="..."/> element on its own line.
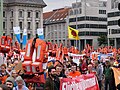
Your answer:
<point x="17" y="33"/>
<point x="24" y="42"/>
<point x="40" y="33"/>
<point x="73" y="33"/>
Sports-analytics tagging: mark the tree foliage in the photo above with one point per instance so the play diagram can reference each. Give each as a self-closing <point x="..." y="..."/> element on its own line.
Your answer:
<point x="102" y="40"/>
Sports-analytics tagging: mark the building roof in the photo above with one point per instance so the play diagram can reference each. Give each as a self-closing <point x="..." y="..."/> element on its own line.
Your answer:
<point x="37" y="2"/>
<point x="55" y="16"/>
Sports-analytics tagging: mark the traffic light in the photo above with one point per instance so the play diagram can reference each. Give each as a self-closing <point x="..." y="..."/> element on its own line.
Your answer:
<point x="119" y="22"/>
<point x="119" y="9"/>
<point x="118" y="6"/>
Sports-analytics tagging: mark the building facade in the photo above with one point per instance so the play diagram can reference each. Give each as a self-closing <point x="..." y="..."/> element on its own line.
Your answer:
<point x="90" y="18"/>
<point x="27" y="14"/>
<point x="55" y="26"/>
<point x="113" y="28"/>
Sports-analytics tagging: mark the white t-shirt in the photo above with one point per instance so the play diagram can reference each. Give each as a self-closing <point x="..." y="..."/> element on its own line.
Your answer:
<point x="24" y="88"/>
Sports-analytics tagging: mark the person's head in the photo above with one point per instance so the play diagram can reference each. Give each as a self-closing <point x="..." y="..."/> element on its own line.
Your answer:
<point x="112" y="61"/>
<point x="14" y="74"/>
<point x="74" y="67"/>
<point x="16" y="62"/>
<point x="3" y="67"/>
<point x="85" y="57"/>
<point x="58" y="69"/>
<point x="9" y="68"/>
<point x="107" y="63"/>
<point x="67" y="71"/>
<point x="9" y="62"/>
<point x="90" y="67"/>
<point x="95" y="63"/>
<point x="4" y="87"/>
<point x="19" y="81"/>
<point x="10" y="84"/>
<point x="80" y="61"/>
<point x="78" y="68"/>
<point x="52" y="71"/>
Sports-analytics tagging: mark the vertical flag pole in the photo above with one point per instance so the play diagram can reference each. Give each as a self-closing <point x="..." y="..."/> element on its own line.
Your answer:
<point x="76" y="23"/>
<point x="1" y="17"/>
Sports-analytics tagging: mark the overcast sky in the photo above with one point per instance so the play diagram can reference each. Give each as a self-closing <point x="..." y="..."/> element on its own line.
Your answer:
<point x="55" y="4"/>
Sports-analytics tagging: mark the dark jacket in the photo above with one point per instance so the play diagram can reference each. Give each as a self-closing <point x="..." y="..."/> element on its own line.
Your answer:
<point x="52" y="84"/>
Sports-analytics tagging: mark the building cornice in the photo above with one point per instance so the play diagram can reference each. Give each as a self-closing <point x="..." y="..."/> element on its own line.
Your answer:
<point x="24" y="5"/>
<point x="57" y="22"/>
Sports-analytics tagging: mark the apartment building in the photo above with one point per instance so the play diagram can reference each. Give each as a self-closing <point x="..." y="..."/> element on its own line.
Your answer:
<point x="113" y="28"/>
<point x="55" y="26"/>
<point x="90" y="18"/>
<point x="24" y="13"/>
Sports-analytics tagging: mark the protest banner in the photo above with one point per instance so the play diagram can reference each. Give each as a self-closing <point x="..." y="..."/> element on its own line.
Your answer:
<point x="83" y="82"/>
<point x="19" y="67"/>
<point x="76" y="57"/>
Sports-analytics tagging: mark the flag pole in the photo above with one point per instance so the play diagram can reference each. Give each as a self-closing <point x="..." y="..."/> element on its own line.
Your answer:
<point x="1" y="18"/>
<point x="76" y="23"/>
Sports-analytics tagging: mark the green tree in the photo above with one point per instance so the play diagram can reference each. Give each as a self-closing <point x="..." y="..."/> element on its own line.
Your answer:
<point x="102" y="40"/>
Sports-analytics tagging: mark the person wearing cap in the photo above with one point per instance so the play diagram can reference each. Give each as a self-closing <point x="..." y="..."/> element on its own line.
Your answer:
<point x="10" y="83"/>
<point x="109" y="76"/>
<point x="20" y="84"/>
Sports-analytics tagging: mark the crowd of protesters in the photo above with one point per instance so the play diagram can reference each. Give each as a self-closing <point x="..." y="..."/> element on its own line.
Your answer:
<point x="10" y="79"/>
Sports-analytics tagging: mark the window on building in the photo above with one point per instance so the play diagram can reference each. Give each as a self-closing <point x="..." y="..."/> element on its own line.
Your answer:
<point x="12" y="35"/>
<point x="37" y="15"/>
<point x="11" y="25"/>
<point x="102" y="11"/>
<point x="59" y="27"/>
<point x="20" y="24"/>
<point x="59" y="34"/>
<point x="37" y="25"/>
<point x="11" y="13"/>
<point x="72" y="20"/>
<point x="3" y="13"/>
<point x="20" y="14"/>
<point x="29" y="35"/>
<point x="80" y="11"/>
<point x="75" y="11"/>
<point x="114" y="4"/>
<point x="74" y="5"/>
<point x="48" y="28"/>
<point x="71" y="12"/>
<point x="55" y="27"/>
<point x="29" y="14"/>
<point x="64" y="26"/>
<point x="29" y="24"/>
<point x="52" y="28"/>
<point x="4" y="26"/>
<point x="64" y="35"/>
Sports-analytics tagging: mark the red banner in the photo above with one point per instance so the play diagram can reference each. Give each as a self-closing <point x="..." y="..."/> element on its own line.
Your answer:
<point x="84" y="82"/>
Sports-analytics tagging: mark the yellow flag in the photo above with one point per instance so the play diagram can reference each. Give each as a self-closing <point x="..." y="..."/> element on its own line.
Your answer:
<point x="72" y="33"/>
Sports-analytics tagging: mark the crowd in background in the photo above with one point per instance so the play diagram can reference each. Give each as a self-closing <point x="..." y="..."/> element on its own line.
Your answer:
<point x="11" y="79"/>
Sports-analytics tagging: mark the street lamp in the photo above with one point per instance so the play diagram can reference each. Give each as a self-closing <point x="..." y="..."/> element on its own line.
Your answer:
<point x="52" y="32"/>
<point x="49" y="33"/>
